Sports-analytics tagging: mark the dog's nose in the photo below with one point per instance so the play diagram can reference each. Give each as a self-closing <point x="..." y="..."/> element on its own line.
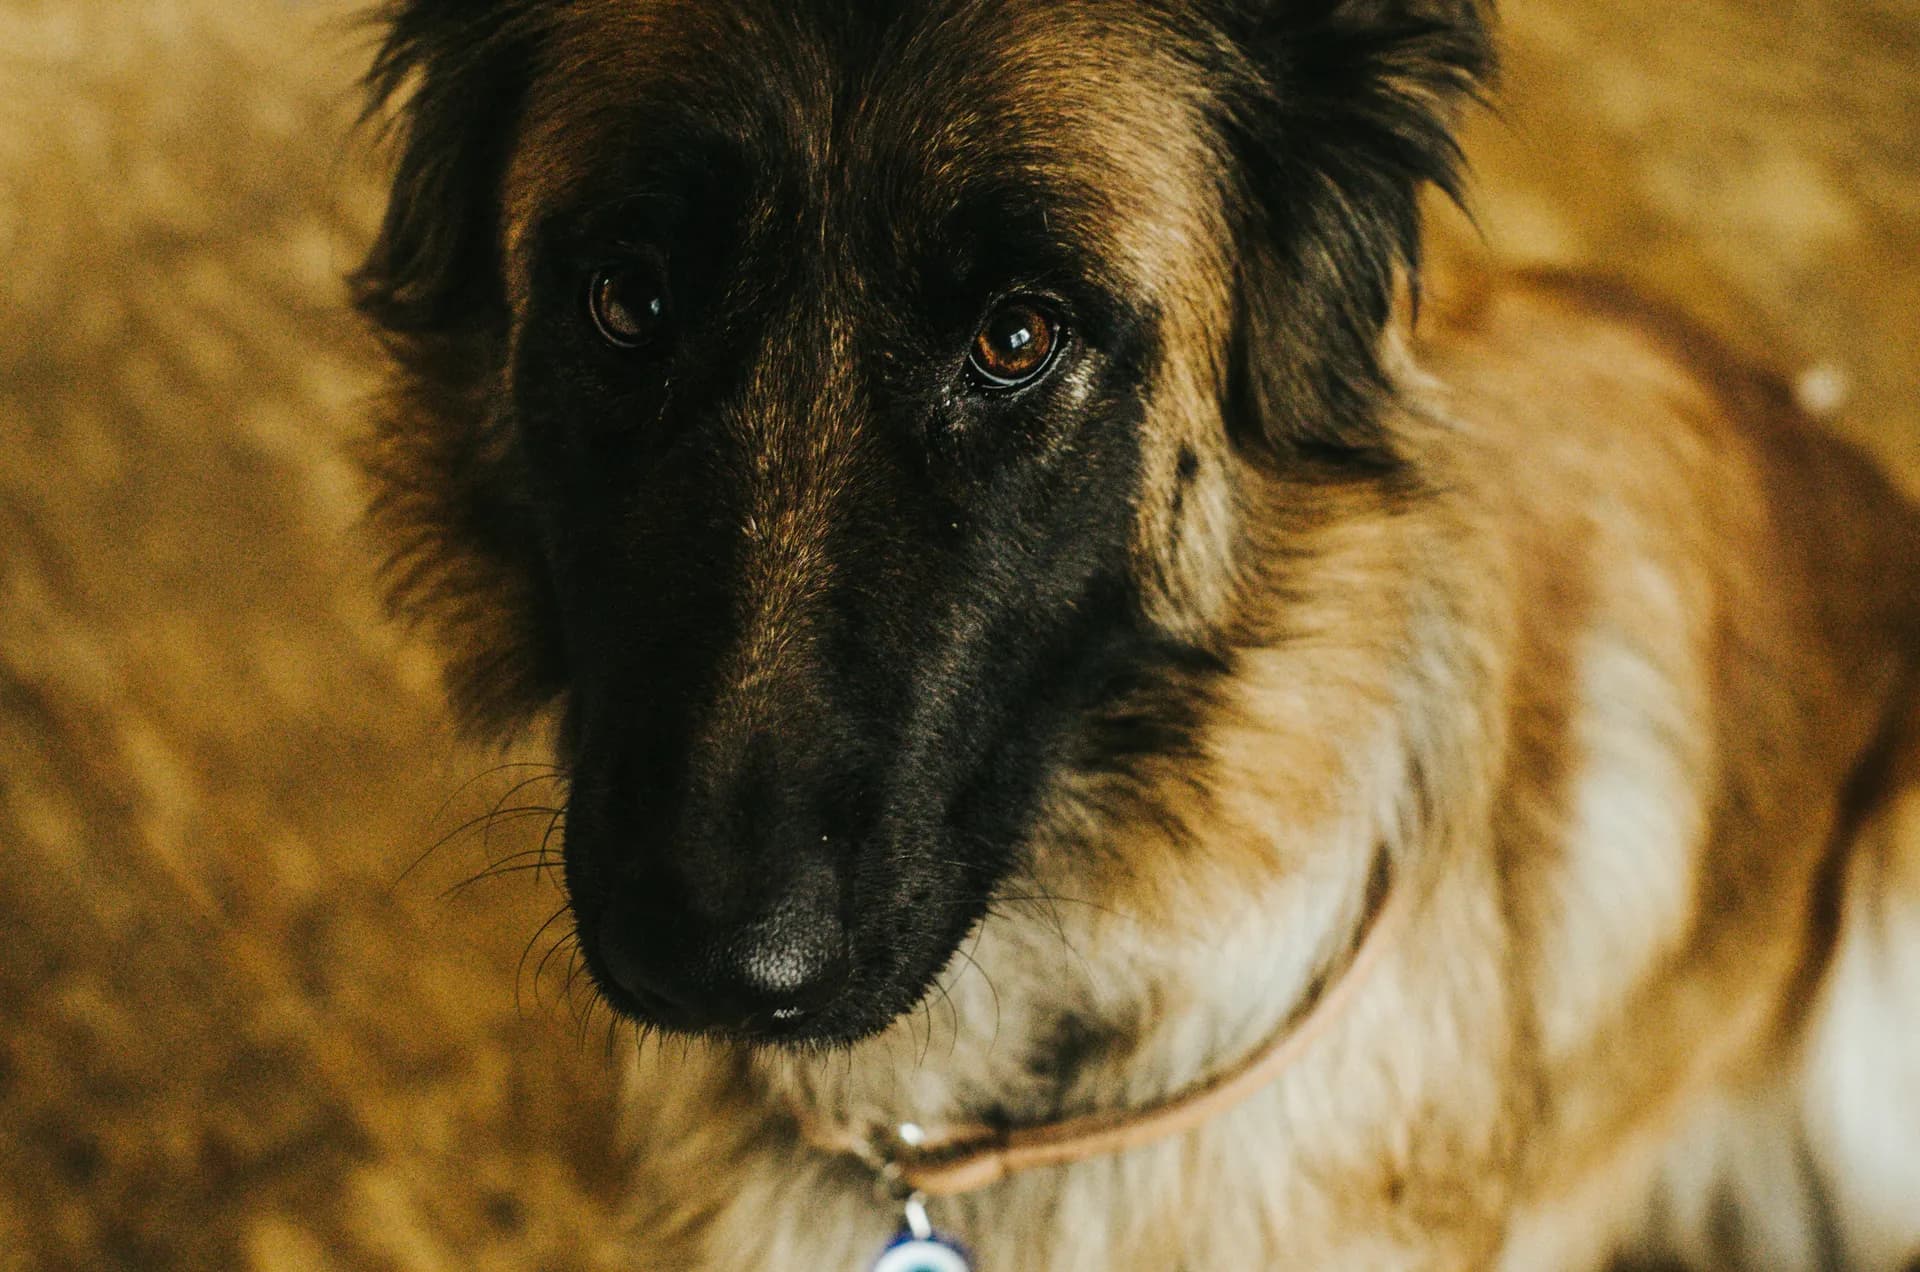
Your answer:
<point x="772" y="969"/>
<point x="719" y="903"/>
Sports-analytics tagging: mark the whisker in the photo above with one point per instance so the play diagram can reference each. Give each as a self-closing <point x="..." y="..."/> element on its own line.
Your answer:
<point x="498" y="871"/>
<point x="593" y="1002"/>
<point x="576" y="964"/>
<point x="558" y="819"/>
<point x="1054" y="898"/>
<point x="509" y="814"/>
<point x="520" y="968"/>
<point x="947" y="997"/>
<point x="926" y="1044"/>
<point x="551" y="773"/>
<point x="506" y="795"/>
<point x="541" y="970"/>
<point x="993" y="989"/>
<point x="481" y="776"/>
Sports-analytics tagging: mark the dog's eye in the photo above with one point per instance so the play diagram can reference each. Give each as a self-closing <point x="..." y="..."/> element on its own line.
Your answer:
<point x="1014" y="345"/>
<point x="629" y="305"/>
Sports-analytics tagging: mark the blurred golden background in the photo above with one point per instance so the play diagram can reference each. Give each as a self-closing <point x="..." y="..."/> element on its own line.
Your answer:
<point x="235" y="1029"/>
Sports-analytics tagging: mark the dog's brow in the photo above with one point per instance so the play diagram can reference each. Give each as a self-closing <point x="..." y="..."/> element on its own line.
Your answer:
<point x="1027" y="225"/>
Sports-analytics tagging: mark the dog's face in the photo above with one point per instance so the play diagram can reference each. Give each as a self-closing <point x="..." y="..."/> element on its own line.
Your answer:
<point x="843" y="409"/>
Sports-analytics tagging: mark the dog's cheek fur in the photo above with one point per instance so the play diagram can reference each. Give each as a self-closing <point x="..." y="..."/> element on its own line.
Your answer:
<point x="449" y="510"/>
<point x="1334" y="117"/>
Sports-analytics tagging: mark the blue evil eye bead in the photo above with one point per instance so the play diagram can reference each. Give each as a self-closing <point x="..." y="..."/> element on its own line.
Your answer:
<point x="922" y="1254"/>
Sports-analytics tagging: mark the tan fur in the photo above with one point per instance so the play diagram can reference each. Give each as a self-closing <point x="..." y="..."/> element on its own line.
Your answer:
<point x="1613" y="688"/>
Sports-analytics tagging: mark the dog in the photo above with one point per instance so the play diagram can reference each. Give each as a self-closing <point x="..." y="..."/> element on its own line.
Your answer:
<point x="1114" y="727"/>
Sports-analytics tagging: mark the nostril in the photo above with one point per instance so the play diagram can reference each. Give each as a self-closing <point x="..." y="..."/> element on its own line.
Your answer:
<point x="781" y="967"/>
<point x="793" y="964"/>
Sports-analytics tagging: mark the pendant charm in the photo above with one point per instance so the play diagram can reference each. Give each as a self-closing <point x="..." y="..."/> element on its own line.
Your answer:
<point x="914" y="1254"/>
<point x="918" y="1249"/>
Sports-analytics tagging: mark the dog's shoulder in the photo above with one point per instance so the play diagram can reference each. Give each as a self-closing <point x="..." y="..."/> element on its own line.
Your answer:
<point x="1576" y="347"/>
<point x="1614" y="415"/>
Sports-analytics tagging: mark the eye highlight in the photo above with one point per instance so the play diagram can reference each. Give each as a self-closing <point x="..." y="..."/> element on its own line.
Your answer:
<point x="1014" y="345"/>
<point x="629" y="304"/>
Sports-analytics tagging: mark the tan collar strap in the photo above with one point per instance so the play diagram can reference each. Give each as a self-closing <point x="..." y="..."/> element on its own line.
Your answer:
<point x="963" y="1159"/>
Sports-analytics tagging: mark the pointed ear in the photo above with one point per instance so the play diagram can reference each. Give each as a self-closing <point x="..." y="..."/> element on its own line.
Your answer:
<point x="449" y="79"/>
<point x="1346" y="113"/>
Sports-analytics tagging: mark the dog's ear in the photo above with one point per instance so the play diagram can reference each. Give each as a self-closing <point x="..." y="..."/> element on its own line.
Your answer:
<point x="449" y="76"/>
<point x="1347" y="112"/>
<point x="449" y="506"/>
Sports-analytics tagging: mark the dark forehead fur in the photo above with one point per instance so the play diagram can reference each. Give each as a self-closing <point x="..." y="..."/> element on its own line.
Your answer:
<point x="1296" y="133"/>
<point x="890" y="144"/>
<point x="978" y="87"/>
<point x="1342" y="103"/>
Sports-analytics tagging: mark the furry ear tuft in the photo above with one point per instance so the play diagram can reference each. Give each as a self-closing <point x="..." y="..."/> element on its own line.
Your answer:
<point x="453" y="74"/>
<point x="1347" y="113"/>
<point x="462" y="544"/>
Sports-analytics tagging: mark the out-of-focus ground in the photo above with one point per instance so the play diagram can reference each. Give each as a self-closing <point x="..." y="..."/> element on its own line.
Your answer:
<point x="232" y="1034"/>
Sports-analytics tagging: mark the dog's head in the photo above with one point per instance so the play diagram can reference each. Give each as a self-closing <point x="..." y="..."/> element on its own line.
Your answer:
<point x="845" y="411"/>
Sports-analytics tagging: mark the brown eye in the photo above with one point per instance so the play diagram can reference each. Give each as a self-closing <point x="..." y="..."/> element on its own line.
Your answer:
<point x="1014" y="345"/>
<point x="629" y="305"/>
